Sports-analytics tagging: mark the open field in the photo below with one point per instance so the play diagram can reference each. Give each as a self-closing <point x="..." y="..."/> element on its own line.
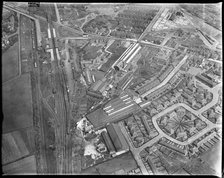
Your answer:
<point x="17" y="144"/>
<point x="123" y="162"/>
<point x="148" y="65"/>
<point x="10" y="63"/>
<point x="13" y="147"/>
<point x="24" y="166"/>
<point x="213" y="157"/>
<point x="28" y="138"/>
<point x="17" y="104"/>
<point x="91" y="52"/>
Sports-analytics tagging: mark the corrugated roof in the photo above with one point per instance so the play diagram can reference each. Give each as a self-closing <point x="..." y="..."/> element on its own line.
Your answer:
<point x="114" y="137"/>
<point x="108" y="141"/>
<point x="117" y="137"/>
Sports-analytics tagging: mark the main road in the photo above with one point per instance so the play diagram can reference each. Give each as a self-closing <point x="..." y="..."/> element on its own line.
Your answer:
<point x="164" y="81"/>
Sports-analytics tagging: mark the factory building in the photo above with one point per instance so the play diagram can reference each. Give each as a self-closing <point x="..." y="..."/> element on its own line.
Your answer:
<point x="117" y="138"/>
<point x="108" y="142"/>
<point x="94" y="94"/>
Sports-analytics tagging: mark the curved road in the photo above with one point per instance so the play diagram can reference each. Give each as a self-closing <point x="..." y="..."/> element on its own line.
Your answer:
<point x="198" y="113"/>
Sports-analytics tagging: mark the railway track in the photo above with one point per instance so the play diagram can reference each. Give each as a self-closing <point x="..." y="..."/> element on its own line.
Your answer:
<point x="38" y="120"/>
<point x="63" y="106"/>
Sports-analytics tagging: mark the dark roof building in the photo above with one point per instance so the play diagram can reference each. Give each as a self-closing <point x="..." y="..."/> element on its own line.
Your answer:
<point x="117" y="137"/>
<point x="205" y="80"/>
<point x="94" y="94"/>
<point x="108" y="142"/>
<point x="97" y="118"/>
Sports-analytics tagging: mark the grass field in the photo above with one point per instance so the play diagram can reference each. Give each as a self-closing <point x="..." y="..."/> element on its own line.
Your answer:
<point x="66" y="32"/>
<point x="13" y="147"/>
<point x="91" y="52"/>
<point x="28" y="138"/>
<point x="17" y="144"/>
<point x="24" y="166"/>
<point x="17" y="104"/>
<point x="10" y="63"/>
<point x="114" y="46"/>
<point x="124" y="161"/>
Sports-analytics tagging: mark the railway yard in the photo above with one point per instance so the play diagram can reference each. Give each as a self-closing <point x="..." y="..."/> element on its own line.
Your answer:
<point x="88" y="86"/>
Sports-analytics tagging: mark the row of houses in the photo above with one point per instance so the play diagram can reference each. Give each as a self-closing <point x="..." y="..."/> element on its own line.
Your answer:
<point x="161" y="91"/>
<point x="205" y="79"/>
<point x="176" y="147"/>
<point x="165" y="72"/>
<point x="126" y="81"/>
<point x="151" y="84"/>
<point x="207" y="143"/>
<point x="148" y="86"/>
<point x="176" y="79"/>
<point x="94" y="94"/>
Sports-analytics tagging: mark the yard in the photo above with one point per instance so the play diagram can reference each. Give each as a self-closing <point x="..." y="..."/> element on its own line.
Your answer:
<point x="213" y="157"/>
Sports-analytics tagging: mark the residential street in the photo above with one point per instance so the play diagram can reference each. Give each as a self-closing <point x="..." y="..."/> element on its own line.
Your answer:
<point x="198" y="113"/>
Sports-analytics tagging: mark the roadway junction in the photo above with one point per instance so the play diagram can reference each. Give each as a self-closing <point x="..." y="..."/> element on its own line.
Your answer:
<point x="128" y="103"/>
